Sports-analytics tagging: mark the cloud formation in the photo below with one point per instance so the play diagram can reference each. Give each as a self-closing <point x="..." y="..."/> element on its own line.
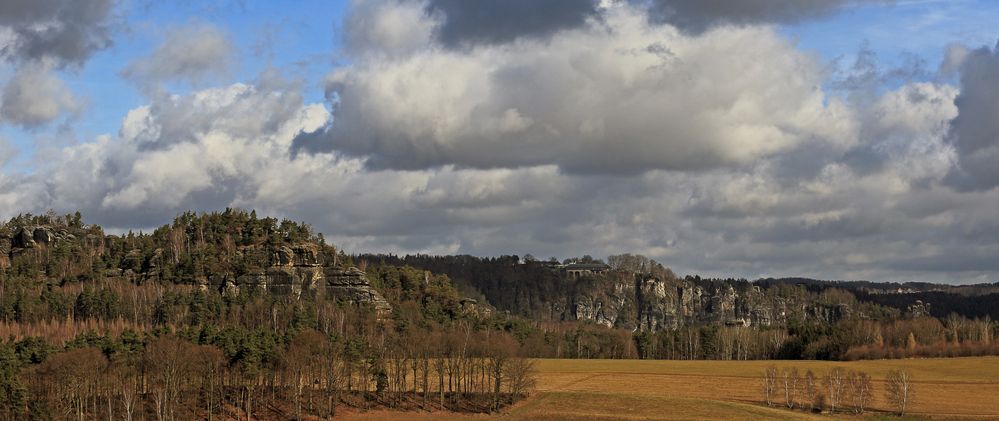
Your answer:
<point x="468" y="23"/>
<point x="34" y="96"/>
<point x="975" y="131"/>
<point x="387" y="27"/>
<point x="723" y="152"/>
<point x="697" y="16"/>
<point x="193" y="54"/>
<point x="38" y="37"/>
<point x="64" y="31"/>
<point x="618" y="96"/>
<point x="886" y="222"/>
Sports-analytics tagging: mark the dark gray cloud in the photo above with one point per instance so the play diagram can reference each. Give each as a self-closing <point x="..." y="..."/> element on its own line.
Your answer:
<point x="500" y="21"/>
<point x="392" y="26"/>
<point x="65" y="31"/>
<point x="39" y="37"/>
<point x="975" y="131"/>
<point x="699" y="15"/>
<point x="464" y="23"/>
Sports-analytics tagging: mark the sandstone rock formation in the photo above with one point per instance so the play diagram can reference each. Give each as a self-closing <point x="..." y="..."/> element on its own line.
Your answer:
<point x="351" y="284"/>
<point x="300" y="272"/>
<point x="642" y="302"/>
<point x="20" y="240"/>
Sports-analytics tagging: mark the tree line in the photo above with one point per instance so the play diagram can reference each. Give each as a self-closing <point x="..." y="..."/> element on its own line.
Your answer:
<point x="838" y="391"/>
<point x="88" y="283"/>
<point x="174" y="376"/>
<point x="533" y="290"/>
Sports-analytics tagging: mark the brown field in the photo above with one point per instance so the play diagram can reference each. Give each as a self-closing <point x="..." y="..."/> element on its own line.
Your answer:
<point x="954" y="388"/>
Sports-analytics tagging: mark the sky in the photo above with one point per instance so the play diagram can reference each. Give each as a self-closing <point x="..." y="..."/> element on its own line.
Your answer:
<point x="833" y="139"/>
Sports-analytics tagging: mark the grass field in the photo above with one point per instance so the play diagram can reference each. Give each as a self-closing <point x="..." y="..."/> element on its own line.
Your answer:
<point x="955" y="388"/>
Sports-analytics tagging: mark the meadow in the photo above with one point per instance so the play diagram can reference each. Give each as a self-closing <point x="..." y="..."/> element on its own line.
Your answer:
<point x="948" y="388"/>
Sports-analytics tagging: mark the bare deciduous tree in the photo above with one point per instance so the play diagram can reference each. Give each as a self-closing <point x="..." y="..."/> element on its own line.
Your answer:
<point x="899" y="390"/>
<point x="790" y="380"/>
<point x="769" y="384"/>
<point x="124" y="375"/>
<point x="520" y="376"/>
<point x="303" y="360"/>
<point x="810" y="390"/>
<point x="835" y="384"/>
<point x="861" y="391"/>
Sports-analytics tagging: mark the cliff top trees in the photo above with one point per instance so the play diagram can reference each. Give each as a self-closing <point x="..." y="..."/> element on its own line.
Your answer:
<point x="640" y="264"/>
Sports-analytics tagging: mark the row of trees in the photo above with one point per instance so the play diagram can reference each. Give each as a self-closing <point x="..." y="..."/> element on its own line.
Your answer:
<point x="712" y="343"/>
<point x="60" y="313"/>
<point x="839" y="390"/>
<point x="170" y="377"/>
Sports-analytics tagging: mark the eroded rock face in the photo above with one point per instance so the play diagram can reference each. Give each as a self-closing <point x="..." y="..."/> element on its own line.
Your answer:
<point x="351" y="284"/>
<point x="294" y="281"/>
<point x="301" y="255"/>
<point x="24" y="238"/>
<point x="21" y="240"/>
<point x="43" y="235"/>
<point x="298" y="271"/>
<point x="648" y="303"/>
<point x="31" y="236"/>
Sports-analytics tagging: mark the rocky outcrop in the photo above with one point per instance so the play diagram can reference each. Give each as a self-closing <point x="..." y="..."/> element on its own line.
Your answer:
<point x="351" y="284"/>
<point x="303" y="269"/>
<point x="918" y="309"/>
<point x="294" y="281"/>
<point x="20" y="240"/>
<point x="648" y="303"/>
<point x="300" y="255"/>
<point x="29" y="237"/>
<point x="299" y="271"/>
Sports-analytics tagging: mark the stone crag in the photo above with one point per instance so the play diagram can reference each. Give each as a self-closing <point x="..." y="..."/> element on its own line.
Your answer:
<point x="647" y="303"/>
<point x="300" y="271"/>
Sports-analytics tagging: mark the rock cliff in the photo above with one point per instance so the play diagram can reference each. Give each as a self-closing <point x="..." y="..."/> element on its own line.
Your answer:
<point x="642" y="302"/>
<point x="300" y="270"/>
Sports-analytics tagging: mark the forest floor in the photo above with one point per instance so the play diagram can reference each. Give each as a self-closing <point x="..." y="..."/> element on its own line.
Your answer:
<point x="946" y="388"/>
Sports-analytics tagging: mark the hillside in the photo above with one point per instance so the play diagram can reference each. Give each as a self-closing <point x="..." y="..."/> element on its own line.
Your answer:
<point x="258" y="296"/>
<point x="693" y="317"/>
<point x="217" y="314"/>
<point x="200" y="267"/>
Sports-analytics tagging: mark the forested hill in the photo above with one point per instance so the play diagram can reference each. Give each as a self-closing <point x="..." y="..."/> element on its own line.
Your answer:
<point x="637" y="292"/>
<point x="233" y="316"/>
<point x="236" y="269"/>
<point x="973" y="301"/>
<point x="193" y="248"/>
<point x="693" y="317"/>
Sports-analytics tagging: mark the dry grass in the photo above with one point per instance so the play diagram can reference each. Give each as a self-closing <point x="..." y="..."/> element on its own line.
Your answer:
<point x="955" y="388"/>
